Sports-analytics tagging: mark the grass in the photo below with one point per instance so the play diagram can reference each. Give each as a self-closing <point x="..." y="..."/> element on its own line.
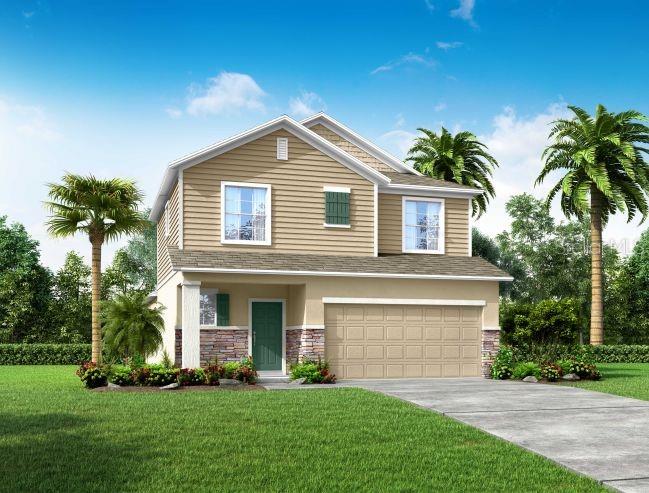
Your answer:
<point x="626" y="379"/>
<point x="57" y="436"/>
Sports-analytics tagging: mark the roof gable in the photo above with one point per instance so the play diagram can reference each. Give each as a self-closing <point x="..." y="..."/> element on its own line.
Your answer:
<point x="360" y="142"/>
<point x="284" y="122"/>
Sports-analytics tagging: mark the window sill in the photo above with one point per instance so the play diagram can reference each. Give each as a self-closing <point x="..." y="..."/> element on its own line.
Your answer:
<point x="245" y="242"/>
<point x="343" y="226"/>
<point x="425" y="252"/>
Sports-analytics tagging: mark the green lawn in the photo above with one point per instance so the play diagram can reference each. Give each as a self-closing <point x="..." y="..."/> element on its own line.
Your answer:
<point x="627" y="379"/>
<point x="57" y="436"/>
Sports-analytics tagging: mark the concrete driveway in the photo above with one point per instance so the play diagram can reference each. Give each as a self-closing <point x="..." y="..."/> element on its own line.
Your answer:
<point x="599" y="435"/>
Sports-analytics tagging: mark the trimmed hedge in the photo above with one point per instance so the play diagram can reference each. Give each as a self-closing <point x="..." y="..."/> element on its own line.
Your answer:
<point x="621" y="353"/>
<point x="596" y="354"/>
<point x="44" y="354"/>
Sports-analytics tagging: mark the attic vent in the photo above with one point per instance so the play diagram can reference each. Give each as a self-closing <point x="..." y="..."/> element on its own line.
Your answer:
<point x="282" y="148"/>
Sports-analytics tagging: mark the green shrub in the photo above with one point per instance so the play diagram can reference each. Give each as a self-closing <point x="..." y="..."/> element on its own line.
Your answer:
<point x="213" y="372"/>
<point x="622" y="353"/>
<point x="120" y="375"/>
<point x="585" y="370"/>
<point x="229" y="368"/>
<point x="92" y="375"/>
<point x="548" y="321"/>
<point x="551" y="372"/>
<point x="191" y="376"/>
<point x="503" y="364"/>
<point x="160" y="375"/>
<point x="565" y="365"/>
<point x="44" y="354"/>
<point x="522" y="370"/>
<point x="312" y="372"/>
<point x="245" y="371"/>
<point x="541" y="353"/>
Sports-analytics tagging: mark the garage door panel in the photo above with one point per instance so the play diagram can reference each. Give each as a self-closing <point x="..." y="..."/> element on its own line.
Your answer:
<point x="375" y="333"/>
<point x="388" y="341"/>
<point x="414" y="333"/>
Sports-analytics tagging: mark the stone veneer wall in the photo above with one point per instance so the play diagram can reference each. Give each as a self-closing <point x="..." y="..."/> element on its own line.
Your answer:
<point x="304" y="343"/>
<point x="490" y="346"/>
<point x="223" y="344"/>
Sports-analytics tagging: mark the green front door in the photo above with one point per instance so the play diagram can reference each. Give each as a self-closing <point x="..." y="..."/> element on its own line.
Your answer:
<point x="267" y="334"/>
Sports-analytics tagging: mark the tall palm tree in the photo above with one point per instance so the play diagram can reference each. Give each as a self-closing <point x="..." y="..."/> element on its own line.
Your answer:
<point x="460" y="158"/>
<point x="604" y="172"/>
<point x="130" y="326"/>
<point x="102" y="209"/>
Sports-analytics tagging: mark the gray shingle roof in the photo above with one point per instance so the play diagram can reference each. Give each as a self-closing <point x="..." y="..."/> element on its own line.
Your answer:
<point x="415" y="266"/>
<point x="427" y="181"/>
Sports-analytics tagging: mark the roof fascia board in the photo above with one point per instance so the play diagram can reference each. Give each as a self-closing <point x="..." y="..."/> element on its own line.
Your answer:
<point x="347" y="133"/>
<point x="283" y="122"/>
<point x="217" y="270"/>
<point x="428" y="191"/>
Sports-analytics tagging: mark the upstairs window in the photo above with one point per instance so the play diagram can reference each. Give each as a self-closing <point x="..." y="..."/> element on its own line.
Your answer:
<point x="245" y="213"/>
<point x="423" y="225"/>
<point x="337" y="207"/>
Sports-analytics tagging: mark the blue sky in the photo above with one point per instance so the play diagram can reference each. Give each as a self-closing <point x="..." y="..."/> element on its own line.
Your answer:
<point x="122" y="88"/>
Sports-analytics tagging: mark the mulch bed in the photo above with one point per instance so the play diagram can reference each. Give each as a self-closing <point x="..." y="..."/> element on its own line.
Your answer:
<point x="190" y="388"/>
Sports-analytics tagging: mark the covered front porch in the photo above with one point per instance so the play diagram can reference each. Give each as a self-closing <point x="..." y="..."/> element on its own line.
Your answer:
<point x="220" y="319"/>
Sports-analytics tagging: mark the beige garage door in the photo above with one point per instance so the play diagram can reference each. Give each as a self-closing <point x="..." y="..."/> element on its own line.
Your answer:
<point x="393" y="341"/>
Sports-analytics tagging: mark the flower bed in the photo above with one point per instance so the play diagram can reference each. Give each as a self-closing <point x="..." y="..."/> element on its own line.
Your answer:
<point x="157" y="375"/>
<point x="312" y="372"/>
<point x="513" y="363"/>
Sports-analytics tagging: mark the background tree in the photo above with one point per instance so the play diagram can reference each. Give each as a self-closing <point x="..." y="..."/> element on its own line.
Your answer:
<point x="24" y="287"/>
<point x="460" y="158"/>
<point x="102" y="209"/>
<point x="133" y="267"/>
<point x="131" y="327"/>
<point x="604" y="173"/>
<point x="70" y="310"/>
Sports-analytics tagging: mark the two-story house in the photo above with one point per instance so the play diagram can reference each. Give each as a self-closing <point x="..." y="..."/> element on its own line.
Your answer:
<point x="303" y="239"/>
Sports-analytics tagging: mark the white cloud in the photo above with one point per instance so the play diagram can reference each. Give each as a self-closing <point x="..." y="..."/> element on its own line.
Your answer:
<point x="29" y="121"/>
<point x="228" y="92"/>
<point x="173" y="112"/>
<point x="28" y="15"/>
<point x="400" y="121"/>
<point x="441" y="106"/>
<point x="306" y="104"/>
<point x="398" y="140"/>
<point x="429" y="5"/>
<point x="409" y="59"/>
<point x="448" y="45"/>
<point x="465" y="11"/>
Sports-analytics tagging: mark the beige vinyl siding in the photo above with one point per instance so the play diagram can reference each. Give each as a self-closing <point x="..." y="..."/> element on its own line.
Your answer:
<point x="350" y="148"/>
<point x="456" y="225"/>
<point x="164" y="264"/>
<point x="297" y="199"/>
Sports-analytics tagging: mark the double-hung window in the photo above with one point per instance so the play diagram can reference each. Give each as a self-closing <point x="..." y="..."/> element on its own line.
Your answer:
<point x="423" y="225"/>
<point x="245" y="213"/>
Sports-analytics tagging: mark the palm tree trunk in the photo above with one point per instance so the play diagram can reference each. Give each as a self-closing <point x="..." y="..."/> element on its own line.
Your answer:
<point x="597" y="301"/>
<point x="96" y="297"/>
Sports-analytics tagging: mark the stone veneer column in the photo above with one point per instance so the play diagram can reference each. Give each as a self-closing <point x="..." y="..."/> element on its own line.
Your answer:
<point x="304" y="343"/>
<point x="191" y="328"/>
<point x="490" y="346"/>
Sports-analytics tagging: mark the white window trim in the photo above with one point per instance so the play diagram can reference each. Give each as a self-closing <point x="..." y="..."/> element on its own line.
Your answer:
<point x="442" y="220"/>
<point x="343" y="226"/>
<point x="267" y="224"/>
<point x="328" y="188"/>
<point x="213" y="291"/>
<point x="348" y="190"/>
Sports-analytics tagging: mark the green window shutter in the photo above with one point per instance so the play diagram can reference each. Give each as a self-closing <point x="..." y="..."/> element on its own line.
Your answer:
<point x="336" y="208"/>
<point x="222" y="309"/>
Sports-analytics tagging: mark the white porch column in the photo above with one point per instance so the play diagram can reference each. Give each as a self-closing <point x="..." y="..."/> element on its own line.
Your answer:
<point x="191" y="329"/>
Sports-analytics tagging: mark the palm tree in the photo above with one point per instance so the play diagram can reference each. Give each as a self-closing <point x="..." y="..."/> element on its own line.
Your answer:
<point x="460" y="158"/>
<point x="604" y="172"/>
<point x="130" y="326"/>
<point x="102" y="209"/>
